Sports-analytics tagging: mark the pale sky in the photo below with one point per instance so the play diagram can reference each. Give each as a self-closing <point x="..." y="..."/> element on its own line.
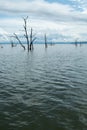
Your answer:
<point x="61" y="20"/>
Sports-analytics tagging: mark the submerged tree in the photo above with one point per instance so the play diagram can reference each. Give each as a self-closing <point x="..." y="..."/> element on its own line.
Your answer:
<point x="76" y="42"/>
<point x="45" y="38"/>
<point x="32" y="39"/>
<point x="29" y="38"/>
<point x="11" y="42"/>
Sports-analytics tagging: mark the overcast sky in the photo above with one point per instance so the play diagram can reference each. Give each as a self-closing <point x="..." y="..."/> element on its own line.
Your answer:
<point x="62" y="20"/>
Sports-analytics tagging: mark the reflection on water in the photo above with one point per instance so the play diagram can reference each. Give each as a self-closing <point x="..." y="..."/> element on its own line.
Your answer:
<point x="43" y="89"/>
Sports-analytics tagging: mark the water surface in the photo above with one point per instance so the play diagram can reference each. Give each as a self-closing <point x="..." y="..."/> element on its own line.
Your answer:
<point x="45" y="89"/>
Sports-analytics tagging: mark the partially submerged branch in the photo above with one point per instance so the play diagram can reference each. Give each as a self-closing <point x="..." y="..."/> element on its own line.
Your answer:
<point x="32" y="39"/>
<point x="15" y="35"/>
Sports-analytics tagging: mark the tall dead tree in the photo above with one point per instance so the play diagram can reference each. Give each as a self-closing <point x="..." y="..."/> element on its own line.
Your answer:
<point x="15" y="35"/>
<point x="45" y="38"/>
<point x="32" y="39"/>
<point x="26" y="32"/>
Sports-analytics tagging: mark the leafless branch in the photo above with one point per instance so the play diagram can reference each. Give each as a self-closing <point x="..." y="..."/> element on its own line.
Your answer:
<point x="15" y="35"/>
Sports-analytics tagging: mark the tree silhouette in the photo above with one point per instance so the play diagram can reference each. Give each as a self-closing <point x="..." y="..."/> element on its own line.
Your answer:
<point x="15" y="35"/>
<point x="45" y="38"/>
<point x="32" y="39"/>
<point x="26" y="32"/>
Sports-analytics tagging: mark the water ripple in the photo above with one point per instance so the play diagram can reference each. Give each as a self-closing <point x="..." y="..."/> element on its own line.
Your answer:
<point x="43" y="90"/>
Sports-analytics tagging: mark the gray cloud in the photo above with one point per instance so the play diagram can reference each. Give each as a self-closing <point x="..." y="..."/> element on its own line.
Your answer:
<point x="64" y="20"/>
<point x="42" y="9"/>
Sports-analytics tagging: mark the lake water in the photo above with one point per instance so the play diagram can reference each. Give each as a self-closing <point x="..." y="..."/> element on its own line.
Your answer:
<point x="45" y="89"/>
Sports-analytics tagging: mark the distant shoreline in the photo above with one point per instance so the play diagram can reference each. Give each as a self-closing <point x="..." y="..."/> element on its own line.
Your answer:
<point x="48" y="43"/>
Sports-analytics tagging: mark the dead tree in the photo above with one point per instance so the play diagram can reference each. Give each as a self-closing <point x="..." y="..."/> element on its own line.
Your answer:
<point x="15" y="35"/>
<point x="32" y="39"/>
<point x="26" y="32"/>
<point x="10" y="40"/>
<point x="76" y="42"/>
<point x="45" y="38"/>
<point x="12" y="43"/>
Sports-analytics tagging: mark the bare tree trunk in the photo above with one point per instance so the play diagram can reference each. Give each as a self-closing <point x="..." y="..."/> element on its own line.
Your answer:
<point x="26" y="32"/>
<point x="12" y="44"/>
<point x="76" y="43"/>
<point x="45" y="37"/>
<point x="19" y="41"/>
<point x="11" y="41"/>
<point x="32" y="39"/>
<point x="31" y="42"/>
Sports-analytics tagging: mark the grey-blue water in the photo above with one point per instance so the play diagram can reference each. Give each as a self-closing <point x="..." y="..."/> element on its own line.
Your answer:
<point x="45" y="89"/>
